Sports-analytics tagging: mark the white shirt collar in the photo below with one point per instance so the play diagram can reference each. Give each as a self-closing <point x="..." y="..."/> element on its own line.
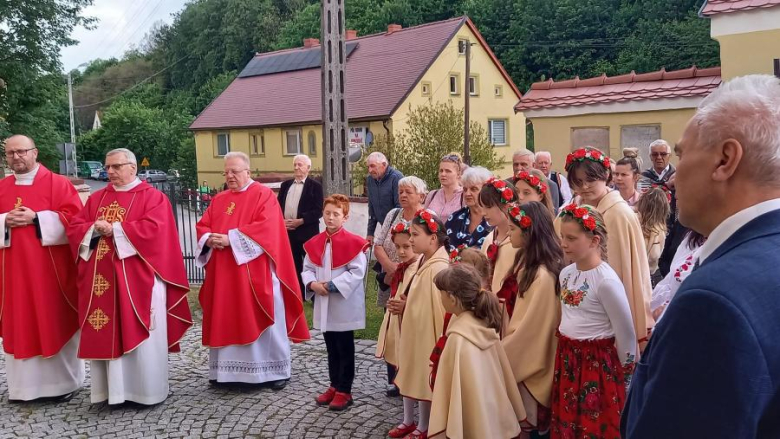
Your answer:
<point x="128" y="186"/>
<point x="303" y="181"/>
<point x="662" y="173"/>
<point x="247" y="186"/>
<point x="27" y="178"/>
<point x="730" y="225"/>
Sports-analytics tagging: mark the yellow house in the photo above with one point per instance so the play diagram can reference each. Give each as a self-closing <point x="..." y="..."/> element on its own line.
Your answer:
<point x="632" y="110"/>
<point x="272" y="110"/>
<point x="748" y="33"/>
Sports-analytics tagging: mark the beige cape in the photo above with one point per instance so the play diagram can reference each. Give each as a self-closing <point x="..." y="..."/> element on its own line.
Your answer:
<point x="390" y="331"/>
<point x="421" y="326"/>
<point x="475" y="394"/>
<point x="504" y="264"/>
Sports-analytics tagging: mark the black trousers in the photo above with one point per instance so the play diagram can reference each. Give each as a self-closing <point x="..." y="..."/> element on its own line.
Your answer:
<point x="341" y="359"/>
<point x="296" y="245"/>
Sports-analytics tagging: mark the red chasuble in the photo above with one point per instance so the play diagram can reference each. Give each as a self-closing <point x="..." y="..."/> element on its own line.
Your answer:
<point x="345" y="247"/>
<point x="38" y="284"/>
<point x="115" y="296"/>
<point x="238" y="300"/>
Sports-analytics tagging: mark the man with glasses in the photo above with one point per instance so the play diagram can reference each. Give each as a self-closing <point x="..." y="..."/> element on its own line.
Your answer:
<point x="39" y="319"/>
<point x="251" y="299"/>
<point x="133" y="287"/>
<point x="662" y="170"/>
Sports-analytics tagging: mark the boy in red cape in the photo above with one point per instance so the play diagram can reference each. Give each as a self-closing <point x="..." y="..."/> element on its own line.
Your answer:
<point x="38" y="315"/>
<point x="250" y="297"/>
<point x="333" y="269"/>
<point x="132" y="284"/>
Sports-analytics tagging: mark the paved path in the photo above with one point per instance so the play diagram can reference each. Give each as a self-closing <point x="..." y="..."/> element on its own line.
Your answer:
<point x="197" y="409"/>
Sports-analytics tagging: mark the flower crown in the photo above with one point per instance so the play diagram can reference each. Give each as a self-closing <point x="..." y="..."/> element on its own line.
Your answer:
<point x="663" y="188"/>
<point x="401" y="227"/>
<point x="518" y="216"/>
<point x="582" y="215"/>
<point x="593" y="155"/>
<point x="425" y="216"/>
<point x="533" y="181"/>
<point x="455" y="253"/>
<point x="503" y="189"/>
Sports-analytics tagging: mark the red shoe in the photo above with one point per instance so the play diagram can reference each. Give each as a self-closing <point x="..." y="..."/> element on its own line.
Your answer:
<point x="326" y="397"/>
<point x="398" y="433"/>
<point x="341" y="401"/>
<point x="417" y="434"/>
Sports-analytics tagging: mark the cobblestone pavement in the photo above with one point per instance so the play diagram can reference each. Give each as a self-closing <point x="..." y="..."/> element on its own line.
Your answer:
<point x="197" y="409"/>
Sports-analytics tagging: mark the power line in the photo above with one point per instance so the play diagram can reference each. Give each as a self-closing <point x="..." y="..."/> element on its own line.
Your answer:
<point x="116" y="31"/>
<point x="117" y="35"/>
<point x="148" y="17"/>
<point x="134" y="86"/>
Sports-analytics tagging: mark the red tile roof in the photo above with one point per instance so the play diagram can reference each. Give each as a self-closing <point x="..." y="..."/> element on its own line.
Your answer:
<point x="381" y="72"/>
<point x="630" y="87"/>
<point x="715" y="7"/>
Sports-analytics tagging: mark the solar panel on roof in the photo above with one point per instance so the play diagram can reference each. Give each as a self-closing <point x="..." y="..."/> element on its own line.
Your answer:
<point x="287" y="62"/>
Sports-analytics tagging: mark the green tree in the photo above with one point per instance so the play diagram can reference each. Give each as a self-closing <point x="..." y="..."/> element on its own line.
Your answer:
<point x="432" y="132"/>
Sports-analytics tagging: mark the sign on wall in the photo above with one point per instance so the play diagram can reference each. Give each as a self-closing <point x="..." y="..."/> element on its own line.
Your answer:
<point x="640" y="137"/>
<point x="360" y="136"/>
<point x="592" y="136"/>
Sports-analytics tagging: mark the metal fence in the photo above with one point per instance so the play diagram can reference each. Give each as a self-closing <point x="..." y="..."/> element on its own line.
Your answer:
<point x="188" y="206"/>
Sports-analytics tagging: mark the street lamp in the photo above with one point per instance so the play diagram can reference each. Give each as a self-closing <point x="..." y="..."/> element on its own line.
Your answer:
<point x="72" y="121"/>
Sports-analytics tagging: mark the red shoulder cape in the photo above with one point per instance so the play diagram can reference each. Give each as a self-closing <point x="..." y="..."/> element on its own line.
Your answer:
<point x="345" y="246"/>
<point x="115" y="295"/>
<point x="237" y="300"/>
<point x="38" y="312"/>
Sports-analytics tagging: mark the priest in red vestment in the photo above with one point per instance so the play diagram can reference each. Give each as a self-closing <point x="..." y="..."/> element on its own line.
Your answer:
<point x="38" y="315"/>
<point x="132" y="286"/>
<point x="251" y="299"/>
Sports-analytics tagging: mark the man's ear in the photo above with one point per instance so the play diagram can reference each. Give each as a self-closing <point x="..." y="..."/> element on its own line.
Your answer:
<point x="729" y="153"/>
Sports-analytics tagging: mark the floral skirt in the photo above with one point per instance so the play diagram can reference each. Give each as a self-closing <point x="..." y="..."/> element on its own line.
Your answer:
<point x="588" y="390"/>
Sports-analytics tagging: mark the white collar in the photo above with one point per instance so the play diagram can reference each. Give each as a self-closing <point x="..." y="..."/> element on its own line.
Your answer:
<point x="295" y="181"/>
<point x="730" y="225"/>
<point x="128" y="186"/>
<point x="663" y="172"/>
<point x="243" y="189"/>
<point x="27" y="179"/>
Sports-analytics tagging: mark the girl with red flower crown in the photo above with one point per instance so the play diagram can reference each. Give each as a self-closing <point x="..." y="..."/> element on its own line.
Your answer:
<point x="494" y="197"/>
<point x="532" y="186"/>
<point x="589" y="175"/>
<point x="422" y="323"/>
<point x="596" y="341"/>
<point x="529" y="339"/>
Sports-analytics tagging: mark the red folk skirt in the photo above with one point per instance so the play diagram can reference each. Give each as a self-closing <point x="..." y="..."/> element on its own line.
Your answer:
<point x="588" y="390"/>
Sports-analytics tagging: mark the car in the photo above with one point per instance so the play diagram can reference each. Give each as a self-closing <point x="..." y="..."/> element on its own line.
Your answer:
<point x="152" y="176"/>
<point x="96" y="174"/>
<point x="87" y="168"/>
<point x="103" y="176"/>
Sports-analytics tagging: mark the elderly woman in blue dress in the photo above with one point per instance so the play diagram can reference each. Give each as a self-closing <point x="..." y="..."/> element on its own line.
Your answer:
<point x="467" y="226"/>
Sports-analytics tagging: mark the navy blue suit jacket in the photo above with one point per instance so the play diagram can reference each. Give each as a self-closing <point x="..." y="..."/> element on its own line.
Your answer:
<point x="712" y="366"/>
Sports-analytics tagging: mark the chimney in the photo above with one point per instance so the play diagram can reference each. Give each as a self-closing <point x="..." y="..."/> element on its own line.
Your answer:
<point x="310" y="42"/>
<point x="392" y="28"/>
<point x="351" y="34"/>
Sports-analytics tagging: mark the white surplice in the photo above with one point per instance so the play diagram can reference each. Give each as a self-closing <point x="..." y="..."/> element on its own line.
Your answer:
<point x="267" y="358"/>
<point x="141" y="375"/>
<point x="62" y="373"/>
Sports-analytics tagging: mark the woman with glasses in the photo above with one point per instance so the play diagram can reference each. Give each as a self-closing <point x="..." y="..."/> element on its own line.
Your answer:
<point x="445" y="201"/>
<point x="468" y="226"/>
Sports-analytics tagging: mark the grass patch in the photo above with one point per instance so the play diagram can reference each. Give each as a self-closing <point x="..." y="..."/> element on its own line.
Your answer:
<point x="374" y="314"/>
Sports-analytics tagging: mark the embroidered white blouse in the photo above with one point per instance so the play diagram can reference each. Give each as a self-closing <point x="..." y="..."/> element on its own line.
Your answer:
<point x="595" y="306"/>
<point x="682" y="265"/>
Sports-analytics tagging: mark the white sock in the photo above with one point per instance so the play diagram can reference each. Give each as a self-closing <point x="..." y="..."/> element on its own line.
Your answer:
<point x="425" y="415"/>
<point x="408" y="411"/>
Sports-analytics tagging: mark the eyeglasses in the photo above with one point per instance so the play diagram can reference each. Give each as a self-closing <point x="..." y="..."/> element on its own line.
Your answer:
<point x="18" y="153"/>
<point x="116" y="166"/>
<point x="659" y="154"/>
<point x="451" y="158"/>
<point x="233" y="172"/>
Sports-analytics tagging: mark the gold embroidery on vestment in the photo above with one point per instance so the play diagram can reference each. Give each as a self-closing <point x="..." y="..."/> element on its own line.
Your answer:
<point x="231" y="208"/>
<point x="102" y="249"/>
<point x="112" y="213"/>
<point x="100" y="285"/>
<point x="18" y="203"/>
<point x="98" y="319"/>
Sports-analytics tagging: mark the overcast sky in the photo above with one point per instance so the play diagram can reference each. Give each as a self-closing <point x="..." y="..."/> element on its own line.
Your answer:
<point x="121" y="25"/>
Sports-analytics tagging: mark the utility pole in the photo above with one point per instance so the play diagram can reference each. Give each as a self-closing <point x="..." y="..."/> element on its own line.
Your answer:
<point x="466" y="151"/>
<point x="334" y="107"/>
<point x="72" y="129"/>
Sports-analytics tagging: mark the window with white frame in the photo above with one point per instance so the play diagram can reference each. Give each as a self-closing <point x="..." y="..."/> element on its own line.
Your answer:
<point x="497" y="132"/>
<point x="474" y="86"/>
<point x="257" y="144"/>
<point x="312" y="143"/>
<point x="462" y="46"/>
<point x="454" y="84"/>
<point x="223" y="144"/>
<point x="498" y="91"/>
<point x="293" y="146"/>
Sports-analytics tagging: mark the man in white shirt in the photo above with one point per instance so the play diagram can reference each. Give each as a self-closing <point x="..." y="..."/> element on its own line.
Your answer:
<point x="712" y="366"/>
<point x="543" y="163"/>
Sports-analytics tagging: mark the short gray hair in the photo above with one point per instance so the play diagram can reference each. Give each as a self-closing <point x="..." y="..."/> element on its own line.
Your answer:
<point x="475" y="175"/>
<point x="543" y="154"/>
<point x="415" y="183"/>
<point x="377" y="156"/>
<point x="303" y="157"/>
<point x="746" y="109"/>
<point x="661" y="142"/>
<point x="129" y="156"/>
<point x="522" y="153"/>
<point x="238" y="155"/>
